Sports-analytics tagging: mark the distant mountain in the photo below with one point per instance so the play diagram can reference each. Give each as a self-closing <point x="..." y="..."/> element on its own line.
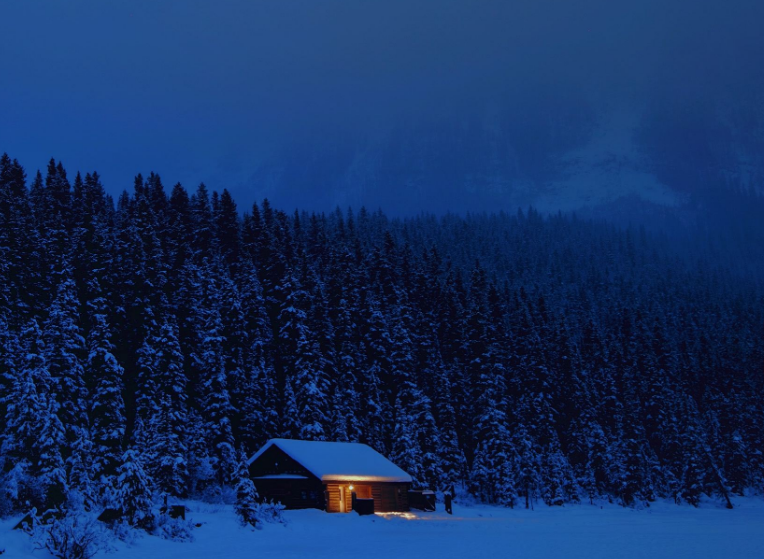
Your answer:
<point x="627" y="161"/>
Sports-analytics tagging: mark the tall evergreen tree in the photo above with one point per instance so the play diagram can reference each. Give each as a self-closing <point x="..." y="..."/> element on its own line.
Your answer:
<point x="64" y="354"/>
<point x="107" y="408"/>
<point x="133" y="496"/>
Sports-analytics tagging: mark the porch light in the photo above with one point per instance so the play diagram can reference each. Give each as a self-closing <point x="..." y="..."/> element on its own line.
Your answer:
<point x="351" y="487"/>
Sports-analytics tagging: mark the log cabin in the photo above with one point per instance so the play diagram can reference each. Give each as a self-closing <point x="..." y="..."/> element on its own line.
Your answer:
<point x="326" y="475"/>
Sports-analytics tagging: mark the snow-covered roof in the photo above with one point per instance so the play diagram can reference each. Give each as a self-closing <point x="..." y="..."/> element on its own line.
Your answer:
<point x="339" y="461"/>
<point x="281" y="476"/>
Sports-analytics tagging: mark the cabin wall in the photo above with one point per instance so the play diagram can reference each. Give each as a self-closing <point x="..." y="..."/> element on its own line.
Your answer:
<point x="292" y="493"/>
<point x="391" y="497"/>
<point x="333" y="497"/>
<point x="388" y="497"/>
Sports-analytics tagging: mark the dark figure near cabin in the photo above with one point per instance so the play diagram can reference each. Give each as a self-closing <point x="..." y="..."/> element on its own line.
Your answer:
<point x="448" y="498"/>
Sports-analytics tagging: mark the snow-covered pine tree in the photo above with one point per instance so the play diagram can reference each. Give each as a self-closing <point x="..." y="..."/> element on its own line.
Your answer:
<point x="595" y="481"/>
<point x="22" y="291"/>
<point x="415" y="432"/>
<point x="257" y="408"/>
<point x="558" y="484"/>
<point x="323" y="348"/>
<point x="451" y="457"/>
<point x="146" y="392"/>
<point x="527" y="465"/>
<point x="254" y="395"/>
<point x="80" y="472"/>
<point x="228" y="231"/>
<point x="215" y="399"/>
<point x="50" y="470"/>
<point x="169" y="418"/>
<point x="306" y="387"/>
<point x="133" y="495"/>
<point x="237" y="339"/>
<point x="64" y="355"/>
<point x="107" y="408"/>
<point x="247" y="501"/>
<point x="203" y="241"/>
<point x="9" y="354"/>
<point x="345" y="398"/>
<point x="22" y="407"/>
<point x="694" y="473"/>
<point x="406" y="452"/>
<point x="490" y="476"/>
<point x="376" y="415"/>
<point x="54" y="217"/>
<point x="35" y="437"/>
<point x="201" y="474"/>
<point x="167" y="456"/>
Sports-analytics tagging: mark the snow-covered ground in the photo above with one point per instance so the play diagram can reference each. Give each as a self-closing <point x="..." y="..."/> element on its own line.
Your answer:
<point x="663" y="530"/>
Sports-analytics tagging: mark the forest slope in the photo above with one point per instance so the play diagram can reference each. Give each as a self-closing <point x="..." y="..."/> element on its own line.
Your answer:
<point x="531" y="359"/>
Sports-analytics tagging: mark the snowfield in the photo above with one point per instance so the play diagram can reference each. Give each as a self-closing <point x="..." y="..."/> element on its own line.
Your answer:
<point x="582" y="531"/>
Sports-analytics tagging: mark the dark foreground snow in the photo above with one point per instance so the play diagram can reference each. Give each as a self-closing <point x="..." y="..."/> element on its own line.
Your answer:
<point x="584" y="531"/>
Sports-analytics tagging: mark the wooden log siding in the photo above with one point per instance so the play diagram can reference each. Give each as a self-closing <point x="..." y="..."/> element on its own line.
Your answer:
<point x="332" y="498"/>
<point x="292" y="493"/>
<point x="388" y="497"/>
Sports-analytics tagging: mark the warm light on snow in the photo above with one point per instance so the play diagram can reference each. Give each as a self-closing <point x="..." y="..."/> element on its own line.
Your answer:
<point x="406" y="515"/>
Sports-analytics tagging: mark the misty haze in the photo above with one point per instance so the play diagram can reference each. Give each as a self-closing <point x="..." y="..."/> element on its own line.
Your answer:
<point x="404" y="106"/>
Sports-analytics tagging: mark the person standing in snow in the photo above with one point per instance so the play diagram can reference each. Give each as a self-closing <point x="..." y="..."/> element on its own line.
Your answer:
<point x="448" y="498"/>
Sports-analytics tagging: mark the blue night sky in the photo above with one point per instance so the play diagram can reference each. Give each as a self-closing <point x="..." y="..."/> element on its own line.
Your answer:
<point x="246" y="94"/>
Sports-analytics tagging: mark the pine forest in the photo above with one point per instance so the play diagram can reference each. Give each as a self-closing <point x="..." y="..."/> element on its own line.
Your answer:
<point x="149" y="345"/>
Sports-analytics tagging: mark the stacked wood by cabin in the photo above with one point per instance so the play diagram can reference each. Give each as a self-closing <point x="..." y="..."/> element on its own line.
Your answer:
<point x="323" y="475"/>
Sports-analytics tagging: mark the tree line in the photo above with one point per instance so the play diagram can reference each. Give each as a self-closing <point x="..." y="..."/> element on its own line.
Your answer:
<point x="149" y="345"/>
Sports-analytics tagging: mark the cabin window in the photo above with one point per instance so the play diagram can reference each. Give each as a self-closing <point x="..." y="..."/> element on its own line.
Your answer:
<point x="363" y="491"/>
<point x="304" y="495"/>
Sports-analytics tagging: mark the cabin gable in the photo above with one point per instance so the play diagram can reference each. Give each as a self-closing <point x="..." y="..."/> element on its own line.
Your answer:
<point x="280" y="478"/>
<point x="275" y="461"/>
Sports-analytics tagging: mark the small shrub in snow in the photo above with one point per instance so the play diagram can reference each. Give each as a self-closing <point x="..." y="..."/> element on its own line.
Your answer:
<point x="125" y="533"/>
<point x="75" y="535"/>
<point x="218" y="494"/>
<point x="175" y="529"/>
<point x="271" y="513"/>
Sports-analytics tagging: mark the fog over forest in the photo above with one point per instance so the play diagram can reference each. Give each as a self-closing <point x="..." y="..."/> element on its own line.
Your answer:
<point x="624" y="109"/>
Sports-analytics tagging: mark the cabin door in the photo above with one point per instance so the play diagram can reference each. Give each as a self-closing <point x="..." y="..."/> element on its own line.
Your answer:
<point x="342" y="499"/>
